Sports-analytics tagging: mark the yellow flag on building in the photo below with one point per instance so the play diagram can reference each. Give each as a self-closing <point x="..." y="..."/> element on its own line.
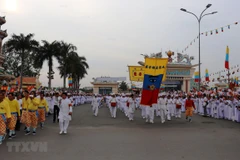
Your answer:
<point x="136" y="73"/>
<point x="156" y="66"/>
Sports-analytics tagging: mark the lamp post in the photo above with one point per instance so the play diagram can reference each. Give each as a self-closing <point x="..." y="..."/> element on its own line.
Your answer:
<point x="199" y="35"/>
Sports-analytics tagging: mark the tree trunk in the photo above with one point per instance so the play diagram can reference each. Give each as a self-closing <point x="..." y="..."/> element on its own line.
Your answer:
<point x="21" y="72"/>
<point x="64" y="79"/>
<point x="49" y="77"/>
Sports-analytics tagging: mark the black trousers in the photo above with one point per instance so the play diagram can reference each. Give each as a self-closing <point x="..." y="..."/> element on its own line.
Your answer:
<point x="205" y="110"/>
<point x="55" y="113"/>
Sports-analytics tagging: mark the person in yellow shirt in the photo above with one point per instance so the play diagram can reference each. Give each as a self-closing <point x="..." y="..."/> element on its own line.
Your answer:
<point x="42" y="110"/>
<point x="5" y="116"/>
<point x="5" y="95"/>
<point x="15" y="114"/>
<point x="25" y="102"/>
<point x="32" y="121"/>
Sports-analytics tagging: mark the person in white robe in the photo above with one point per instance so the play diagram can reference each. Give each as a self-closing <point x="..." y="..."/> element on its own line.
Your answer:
<point x="124" y="104"/>
<point x="163" y="108"/>
<point x="157" y="109"/>
<point x="221" y="108"/>
<point x="149" y="114"/>
<point x="195" y="100"/>
<point x="215" y="106"/>
<point x="238" y="110"/>
<point x="178" y="107"/>
<point x="200" y="105"/>
<point x="131" y="107"/>
<point x="113" y="106"/>
<point x="173" y="107"/>
<point x="118" y="98"/>
<point x="49" y="101"/>
<point x="65" y="113"/>
<point x="83" y="99"/>
<point x="169" y="107"/>
<point x="183" y="100"/>
<point x="95" y="105"/>
<point x="226" y="114"/>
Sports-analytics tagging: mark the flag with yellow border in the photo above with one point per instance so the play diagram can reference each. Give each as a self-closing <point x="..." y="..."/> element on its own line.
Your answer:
<point x="136" y="73"/>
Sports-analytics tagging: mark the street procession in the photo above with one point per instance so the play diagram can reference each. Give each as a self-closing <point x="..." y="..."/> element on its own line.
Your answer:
<point x="119" y="79"/>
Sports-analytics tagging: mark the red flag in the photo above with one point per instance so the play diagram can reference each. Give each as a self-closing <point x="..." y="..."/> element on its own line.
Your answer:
<point x="151" y="86"/>
<point x="12" y="89"/>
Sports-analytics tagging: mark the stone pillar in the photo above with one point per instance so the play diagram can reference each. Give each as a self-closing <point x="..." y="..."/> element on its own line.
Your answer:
<point x="187" y="86"/>
<point x="184" y="85"/>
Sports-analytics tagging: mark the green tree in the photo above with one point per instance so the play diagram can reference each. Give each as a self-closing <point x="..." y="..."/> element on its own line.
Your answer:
<point x="123" y="86"/>
<point x="65" y="51"/>
<point x="75" y="66"/>
<point x="19" y="51"/>
<point x="46" y="52"/>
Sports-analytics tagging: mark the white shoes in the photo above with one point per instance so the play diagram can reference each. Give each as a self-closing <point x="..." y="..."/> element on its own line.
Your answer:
<point x="65" y="132"/>
<point x="61" y="132"/>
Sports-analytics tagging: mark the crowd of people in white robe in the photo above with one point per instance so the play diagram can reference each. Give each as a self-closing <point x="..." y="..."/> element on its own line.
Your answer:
<point x="219" y="105"/>
<point x="76" y="99"/>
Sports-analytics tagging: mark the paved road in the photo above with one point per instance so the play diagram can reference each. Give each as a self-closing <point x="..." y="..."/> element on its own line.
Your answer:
<point x="104" y="138"/>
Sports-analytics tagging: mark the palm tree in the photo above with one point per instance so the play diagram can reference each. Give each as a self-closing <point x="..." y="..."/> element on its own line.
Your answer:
<point x="75" y="66"/>
<point x="21" y="45"/>
<point x="78" y="69"/>
<point x="65" y="50"/>
<point x="46" y="52"/>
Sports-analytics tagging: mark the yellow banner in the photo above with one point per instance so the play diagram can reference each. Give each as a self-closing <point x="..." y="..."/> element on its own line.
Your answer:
<point x="156" y="66"/>
<point x="136" y="73"/>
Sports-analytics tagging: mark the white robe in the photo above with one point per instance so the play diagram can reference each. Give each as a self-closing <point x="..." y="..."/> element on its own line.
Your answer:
<point x="65" y="107"/>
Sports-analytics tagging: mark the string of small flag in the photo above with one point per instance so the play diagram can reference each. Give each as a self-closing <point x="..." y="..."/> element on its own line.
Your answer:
<point x="211" y="32"/>
<point x="221" y="75"/>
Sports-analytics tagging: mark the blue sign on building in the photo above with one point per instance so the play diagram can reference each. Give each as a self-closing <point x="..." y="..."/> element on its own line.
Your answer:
<point x="177" y="72"/>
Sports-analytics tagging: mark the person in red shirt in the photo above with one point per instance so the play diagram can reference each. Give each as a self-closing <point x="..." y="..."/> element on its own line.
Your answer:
<point x="189" y="106"/>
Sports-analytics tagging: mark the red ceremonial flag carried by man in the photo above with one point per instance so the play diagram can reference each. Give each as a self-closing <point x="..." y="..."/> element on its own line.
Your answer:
<point x="154" y="74"/>
<point x="151" y="86"/>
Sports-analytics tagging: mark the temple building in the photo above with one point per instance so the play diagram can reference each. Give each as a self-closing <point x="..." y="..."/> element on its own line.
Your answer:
<point x="179" y="77"/>
<point x="27" y="82"/>
<point x="106" y="85"/>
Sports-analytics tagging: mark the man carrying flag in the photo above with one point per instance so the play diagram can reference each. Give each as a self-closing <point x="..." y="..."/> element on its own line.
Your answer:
<point x="154" y="71"/>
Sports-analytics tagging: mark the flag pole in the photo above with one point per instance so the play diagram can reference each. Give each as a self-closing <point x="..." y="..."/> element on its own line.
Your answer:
<point x="228" y="79"/>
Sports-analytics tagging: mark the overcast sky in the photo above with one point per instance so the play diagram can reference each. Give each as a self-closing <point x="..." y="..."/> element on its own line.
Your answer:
<point x="112" y="34"/>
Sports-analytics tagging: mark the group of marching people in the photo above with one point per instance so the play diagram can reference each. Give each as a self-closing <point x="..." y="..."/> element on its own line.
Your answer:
<point x="125" y="103"/>
<point x="30" y="109"/>
<point x="172" y="104"/>
<point x="219" y="107"/>
<point x="79" y="99"/>
<point x="128" y="103"/>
